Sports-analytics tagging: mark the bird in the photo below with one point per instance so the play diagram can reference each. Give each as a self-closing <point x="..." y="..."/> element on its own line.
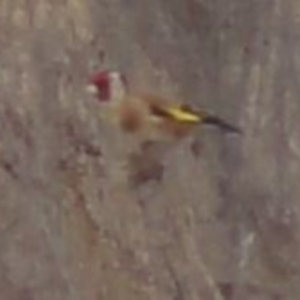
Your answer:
<point x="147" y="114"/>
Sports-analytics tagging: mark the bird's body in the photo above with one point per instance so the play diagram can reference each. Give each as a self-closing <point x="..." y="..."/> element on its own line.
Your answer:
<point x="155" y="116"/>
<point x="146" y="114"/>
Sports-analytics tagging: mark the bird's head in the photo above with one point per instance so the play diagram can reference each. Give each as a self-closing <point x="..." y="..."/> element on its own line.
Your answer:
<point x="108" y="85"/>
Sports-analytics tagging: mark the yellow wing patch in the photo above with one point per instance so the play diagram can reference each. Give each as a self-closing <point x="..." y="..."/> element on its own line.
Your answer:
<point x="182" y="115"/>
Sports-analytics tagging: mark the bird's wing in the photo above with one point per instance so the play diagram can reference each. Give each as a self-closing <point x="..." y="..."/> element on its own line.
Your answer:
<point x="168" y="109"/>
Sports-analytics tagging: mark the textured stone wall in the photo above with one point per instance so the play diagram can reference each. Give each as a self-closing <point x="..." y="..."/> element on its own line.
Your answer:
<point x="222" y="224"/>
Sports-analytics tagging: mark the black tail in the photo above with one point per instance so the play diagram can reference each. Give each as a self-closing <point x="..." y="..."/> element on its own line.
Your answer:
<point x="212" y="120"/>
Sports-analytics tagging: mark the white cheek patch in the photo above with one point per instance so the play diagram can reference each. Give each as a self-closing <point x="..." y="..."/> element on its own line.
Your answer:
<point x="117" y="88"/>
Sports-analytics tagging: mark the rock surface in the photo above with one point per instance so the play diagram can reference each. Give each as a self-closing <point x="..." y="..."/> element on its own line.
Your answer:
<point x="223" y="224"/>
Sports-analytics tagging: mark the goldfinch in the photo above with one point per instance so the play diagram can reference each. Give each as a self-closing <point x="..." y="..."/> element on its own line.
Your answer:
<point x="147" y="114"/>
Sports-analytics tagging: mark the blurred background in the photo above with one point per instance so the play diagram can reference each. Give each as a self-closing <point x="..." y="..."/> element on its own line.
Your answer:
<point x="219" y="222"/>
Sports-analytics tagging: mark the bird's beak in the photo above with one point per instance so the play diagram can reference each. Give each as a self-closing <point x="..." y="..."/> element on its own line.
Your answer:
<point x="92" y="89"/>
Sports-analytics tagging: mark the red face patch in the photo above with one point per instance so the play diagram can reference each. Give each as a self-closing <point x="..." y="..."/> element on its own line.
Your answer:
<point x="101" y="80"/>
